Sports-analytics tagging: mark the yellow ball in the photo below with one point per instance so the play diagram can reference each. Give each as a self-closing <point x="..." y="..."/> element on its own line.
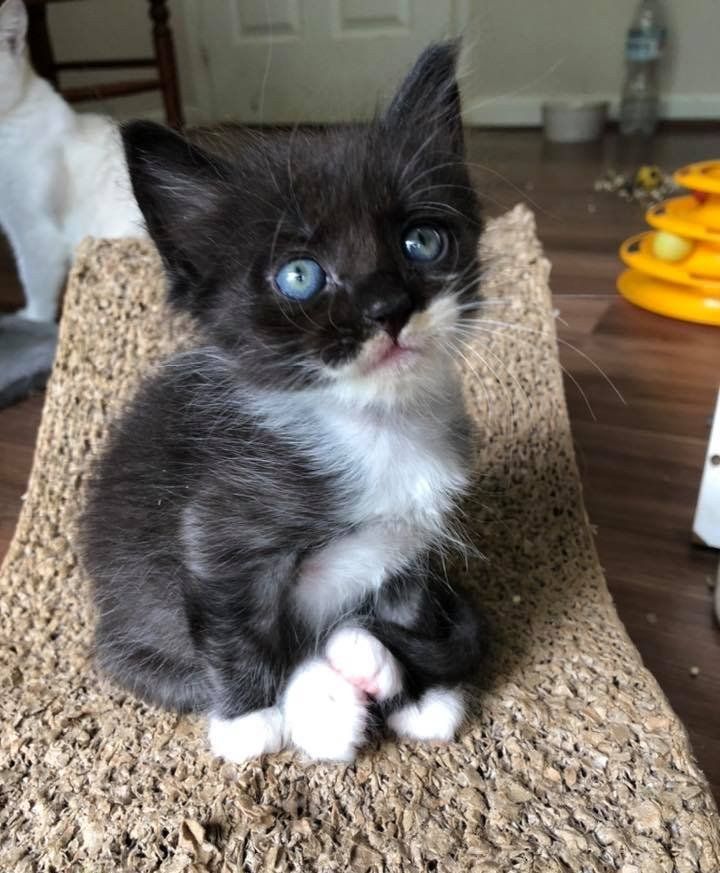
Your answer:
<point x="648" y="177"/>
<point x="670" y="247"/>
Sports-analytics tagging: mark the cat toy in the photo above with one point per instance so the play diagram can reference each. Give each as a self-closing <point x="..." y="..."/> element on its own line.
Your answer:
<point x="675" y="268"/>
<point x="646" y="185"/>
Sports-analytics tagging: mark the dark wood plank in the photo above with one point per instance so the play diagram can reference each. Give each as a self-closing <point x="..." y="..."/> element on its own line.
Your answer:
<point x="580" y="228"/>
<point x="11" y="295"/>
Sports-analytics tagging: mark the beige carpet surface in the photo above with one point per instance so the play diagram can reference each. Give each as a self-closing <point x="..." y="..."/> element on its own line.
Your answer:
<point x="572" y="759"/>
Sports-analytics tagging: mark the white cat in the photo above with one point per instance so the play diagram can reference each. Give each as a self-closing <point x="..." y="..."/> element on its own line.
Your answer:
<point x="62" y="174"/>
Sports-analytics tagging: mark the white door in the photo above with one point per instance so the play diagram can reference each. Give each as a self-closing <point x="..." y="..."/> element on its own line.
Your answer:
<point x="287" y="61"/>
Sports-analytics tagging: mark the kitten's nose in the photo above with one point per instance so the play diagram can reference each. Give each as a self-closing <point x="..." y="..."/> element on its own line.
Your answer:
<point x="390" y="307"/>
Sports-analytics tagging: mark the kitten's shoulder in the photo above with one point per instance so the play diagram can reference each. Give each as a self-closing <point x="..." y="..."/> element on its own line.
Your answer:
<point x="190" y="395"/>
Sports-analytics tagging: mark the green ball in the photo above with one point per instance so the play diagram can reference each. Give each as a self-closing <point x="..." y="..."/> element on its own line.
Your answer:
<point x="670" y="247"/>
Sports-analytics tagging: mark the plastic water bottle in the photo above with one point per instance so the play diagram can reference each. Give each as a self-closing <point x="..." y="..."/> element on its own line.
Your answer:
<point x="643" y="51"/>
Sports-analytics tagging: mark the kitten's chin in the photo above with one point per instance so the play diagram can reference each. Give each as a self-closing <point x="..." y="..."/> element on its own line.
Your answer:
<point x="390" y="374"/>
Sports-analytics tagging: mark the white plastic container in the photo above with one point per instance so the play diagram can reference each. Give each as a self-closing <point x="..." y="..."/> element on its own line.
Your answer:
<point x="571" y="121"/>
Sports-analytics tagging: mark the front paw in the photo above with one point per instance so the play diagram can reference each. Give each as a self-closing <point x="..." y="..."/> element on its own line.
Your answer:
<point x="325" y="716"/>
<point x="436" y="716"/>
<point x="364" y="661"/>
<point x="247" y="736"/>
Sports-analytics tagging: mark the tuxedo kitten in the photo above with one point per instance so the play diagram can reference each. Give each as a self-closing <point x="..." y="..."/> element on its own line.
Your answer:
<point x="62" y="174"/>
<point x="266" y="527"/>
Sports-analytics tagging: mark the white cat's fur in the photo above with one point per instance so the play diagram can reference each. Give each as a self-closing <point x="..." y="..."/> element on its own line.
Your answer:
<point x="62" y="173"/>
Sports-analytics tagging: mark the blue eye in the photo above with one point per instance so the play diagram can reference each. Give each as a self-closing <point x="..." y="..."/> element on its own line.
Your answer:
<point x="301" y="278"/>
<point x="424" y="243"/>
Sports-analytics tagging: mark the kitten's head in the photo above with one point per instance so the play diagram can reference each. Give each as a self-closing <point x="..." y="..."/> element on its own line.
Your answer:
<point x="339" y="258"/>
<point x="13" y="63"/>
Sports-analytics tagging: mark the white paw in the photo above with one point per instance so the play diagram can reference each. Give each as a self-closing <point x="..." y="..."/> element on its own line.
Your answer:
<point x="237" y="739"/>
<point x="325" y="716"/>
<point x="365" y="662"/>
<point x="436" y="716"/>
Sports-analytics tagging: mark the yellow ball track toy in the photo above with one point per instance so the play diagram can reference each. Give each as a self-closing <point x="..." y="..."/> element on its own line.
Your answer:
<point x="675" y="268"/>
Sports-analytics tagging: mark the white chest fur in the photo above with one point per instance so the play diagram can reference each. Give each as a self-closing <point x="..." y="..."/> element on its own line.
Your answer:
<point x="401" y="473"/>
<point x="399" y="467"/>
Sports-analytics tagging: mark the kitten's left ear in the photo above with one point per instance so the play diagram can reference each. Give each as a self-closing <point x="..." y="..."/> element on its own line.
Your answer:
<point x="180" y="190"/>
<point x="13" y="25"/>
<point x="429" y="98"/>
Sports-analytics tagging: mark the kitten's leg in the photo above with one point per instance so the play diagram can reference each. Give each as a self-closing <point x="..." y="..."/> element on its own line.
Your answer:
<point x="158" y="677"/>
<point x="326" y="701"/>
<point x="435" y="633"/>
<point x="245" y="719"/>
<point x="440" y="640"/>
<point x="247" y="736"/>
<point x="162" y="679"/>
<point x="437" y="715"/>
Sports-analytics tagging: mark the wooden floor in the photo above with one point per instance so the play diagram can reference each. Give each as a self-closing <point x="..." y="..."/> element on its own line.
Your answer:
<point x="640" y="460"/>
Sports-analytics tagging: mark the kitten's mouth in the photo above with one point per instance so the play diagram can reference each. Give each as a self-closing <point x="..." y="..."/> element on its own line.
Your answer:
<point x="389" y="353"/>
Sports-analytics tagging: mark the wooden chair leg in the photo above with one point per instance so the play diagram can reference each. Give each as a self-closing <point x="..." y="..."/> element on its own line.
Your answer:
<point x="41" y="53"/>
<point x="167" y="68"/>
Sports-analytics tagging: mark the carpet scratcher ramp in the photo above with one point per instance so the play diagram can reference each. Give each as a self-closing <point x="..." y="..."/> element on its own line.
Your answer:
<point x="571" y="760"/>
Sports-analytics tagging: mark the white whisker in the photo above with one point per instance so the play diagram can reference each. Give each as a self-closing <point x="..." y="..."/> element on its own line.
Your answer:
<point x="503" y="324"/>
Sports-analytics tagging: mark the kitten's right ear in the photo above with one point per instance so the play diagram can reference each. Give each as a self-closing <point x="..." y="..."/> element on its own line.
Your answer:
<point x="179" y="189"/>
<point x="13" y="25"/>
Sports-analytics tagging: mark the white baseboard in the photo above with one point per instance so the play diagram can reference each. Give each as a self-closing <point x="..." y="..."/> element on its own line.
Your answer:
<point x="525" y="111"/>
